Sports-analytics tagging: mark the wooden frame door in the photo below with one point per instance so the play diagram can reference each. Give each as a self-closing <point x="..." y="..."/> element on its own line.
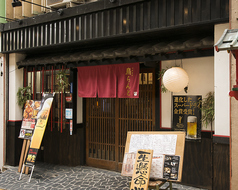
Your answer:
<point x="109" y="119"/>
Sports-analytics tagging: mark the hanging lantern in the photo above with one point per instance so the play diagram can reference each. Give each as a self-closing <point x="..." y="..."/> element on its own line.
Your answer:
<point x="175" y="79"/>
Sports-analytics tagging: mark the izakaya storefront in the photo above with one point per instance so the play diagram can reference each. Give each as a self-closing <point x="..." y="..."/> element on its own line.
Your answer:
<point x="104" y="90"/>
<point x="91" y="128"/>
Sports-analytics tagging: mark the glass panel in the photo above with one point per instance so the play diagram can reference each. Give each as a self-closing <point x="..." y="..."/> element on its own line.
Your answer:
<point x="144" y="78"/>
<point x="38" y="82"/>
<point x="150" y="78"/>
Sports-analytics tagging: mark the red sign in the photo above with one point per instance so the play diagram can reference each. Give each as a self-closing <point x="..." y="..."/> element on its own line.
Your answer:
<point x="68" y="98"/>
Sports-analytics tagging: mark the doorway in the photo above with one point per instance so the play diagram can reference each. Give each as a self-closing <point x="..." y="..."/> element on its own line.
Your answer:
<point x="109" y="119"/>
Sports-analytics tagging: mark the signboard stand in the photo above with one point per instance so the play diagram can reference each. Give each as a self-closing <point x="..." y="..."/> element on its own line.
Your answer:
<point x="142" y="166"/>
<point x="25" y="147"/>
<point x="27" y="166"/>
<point x="170" y="144"/>
<point x="36" y="121"/>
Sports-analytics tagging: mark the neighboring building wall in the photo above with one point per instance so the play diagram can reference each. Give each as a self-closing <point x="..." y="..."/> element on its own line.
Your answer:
<point x="2" y="11"/>
<point x="222" y="86"/>
<point x="201" y="81"/>
<point x="234" y="104"/>
<point x="26" y="10"/>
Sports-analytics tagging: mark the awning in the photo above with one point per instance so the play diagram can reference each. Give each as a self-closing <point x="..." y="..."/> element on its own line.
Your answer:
<point x="147" y="49"/>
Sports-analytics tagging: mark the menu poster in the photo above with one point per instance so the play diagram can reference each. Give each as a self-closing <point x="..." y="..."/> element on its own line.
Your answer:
<point x="42" y="118"/>
<point x="157" y="167"/>
<point x="171" y="167"/>
<point x="26" y="134"/>
<point x="156" y="171"/>
<point x="128" y="164"/>
<point x="187" y="115"/>
<point x="161" y="144"/>
<point x="31" y="156"/>
<point x="29" y="118"/>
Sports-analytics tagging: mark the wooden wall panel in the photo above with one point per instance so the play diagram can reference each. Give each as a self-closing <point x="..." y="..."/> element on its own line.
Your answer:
<point x="116" y="21"/>
<point x="13" y="143"/>
<point x="63" y="148"/>
<point x="197" y="168"/>
<point x="221" y="167"/>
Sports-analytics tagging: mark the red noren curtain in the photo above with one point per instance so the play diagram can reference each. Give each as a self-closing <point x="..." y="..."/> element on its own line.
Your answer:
<point x="109" y="81"/>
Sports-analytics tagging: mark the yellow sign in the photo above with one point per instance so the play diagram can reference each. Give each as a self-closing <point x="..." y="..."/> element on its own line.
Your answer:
<point x="141" y="173"/>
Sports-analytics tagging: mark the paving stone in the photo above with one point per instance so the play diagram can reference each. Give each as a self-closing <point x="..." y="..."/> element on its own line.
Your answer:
<point x="52" y="177"/>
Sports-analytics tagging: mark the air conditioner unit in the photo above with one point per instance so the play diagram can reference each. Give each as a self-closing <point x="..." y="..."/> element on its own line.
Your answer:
<point x="62" y="3"/>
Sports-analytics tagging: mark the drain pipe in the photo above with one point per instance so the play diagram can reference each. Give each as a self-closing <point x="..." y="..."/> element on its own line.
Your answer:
<point x="5" y="102"/>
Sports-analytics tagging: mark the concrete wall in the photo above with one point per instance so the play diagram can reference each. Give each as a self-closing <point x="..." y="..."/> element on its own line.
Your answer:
<point x="15" y="81"/>
<point x="222" y="86"/>
<point x="201" y="81"/>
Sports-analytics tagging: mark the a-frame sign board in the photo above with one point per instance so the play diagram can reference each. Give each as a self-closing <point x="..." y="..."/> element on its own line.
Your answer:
<point x="179" y="149"/>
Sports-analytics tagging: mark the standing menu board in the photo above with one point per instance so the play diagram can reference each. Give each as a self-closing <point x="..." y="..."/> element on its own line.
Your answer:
<point x="174" y="142"/>
<point x="42" y="119"/>
<point x="31" y="110"/>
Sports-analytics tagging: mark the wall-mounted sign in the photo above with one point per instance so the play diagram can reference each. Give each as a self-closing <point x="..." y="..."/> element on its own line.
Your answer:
<point x="187" y="115"/>
<point x="68" y="113"/>
<point x="68" y="98"/>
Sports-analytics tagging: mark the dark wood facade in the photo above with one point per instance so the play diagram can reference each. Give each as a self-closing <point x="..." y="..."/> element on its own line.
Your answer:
<point x="99" y="24"/>
<point x="102" y="21"/>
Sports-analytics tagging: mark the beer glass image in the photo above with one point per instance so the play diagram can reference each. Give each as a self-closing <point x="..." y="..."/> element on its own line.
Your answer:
<point x="191" y="127"/>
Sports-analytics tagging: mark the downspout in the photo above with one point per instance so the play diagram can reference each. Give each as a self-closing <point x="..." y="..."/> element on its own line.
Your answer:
<point x="6" y="98"/>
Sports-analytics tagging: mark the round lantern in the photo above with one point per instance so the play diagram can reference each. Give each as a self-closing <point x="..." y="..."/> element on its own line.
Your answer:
<point x="175" y="79"/>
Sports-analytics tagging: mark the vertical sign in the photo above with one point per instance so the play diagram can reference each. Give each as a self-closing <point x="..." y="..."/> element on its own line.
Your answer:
<point x="142" y="167"/>
<point x="187" y="115"/>
<point x="42" y="118"/>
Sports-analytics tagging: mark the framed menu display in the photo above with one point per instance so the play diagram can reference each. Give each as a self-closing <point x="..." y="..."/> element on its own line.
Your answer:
<point x="168" y="152"/>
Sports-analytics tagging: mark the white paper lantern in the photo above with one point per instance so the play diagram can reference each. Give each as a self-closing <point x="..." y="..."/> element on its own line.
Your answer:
<point x="175" y="79"/>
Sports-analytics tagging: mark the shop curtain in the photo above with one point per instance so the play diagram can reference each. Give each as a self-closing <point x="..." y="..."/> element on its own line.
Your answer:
<point x="128" y="80"/>
<point x="87" y="82"/>
<point x="106" y="80"/>
<point x="109" y="81"/>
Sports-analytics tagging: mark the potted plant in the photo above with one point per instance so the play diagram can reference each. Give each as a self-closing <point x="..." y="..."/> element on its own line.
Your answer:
<point x="23" y="94"/>
<point x="208" y="109"/>
<point x="62" y="80"/>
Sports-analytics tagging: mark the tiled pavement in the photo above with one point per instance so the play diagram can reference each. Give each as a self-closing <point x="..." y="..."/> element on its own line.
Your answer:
<point x="54" y="177"/>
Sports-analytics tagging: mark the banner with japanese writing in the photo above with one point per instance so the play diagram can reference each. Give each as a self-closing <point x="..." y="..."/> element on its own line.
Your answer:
<point x="187" y="115"/>
<point x="109" y="81"/>
<point x="42" y="118"/>
<point x="128" y="80"/>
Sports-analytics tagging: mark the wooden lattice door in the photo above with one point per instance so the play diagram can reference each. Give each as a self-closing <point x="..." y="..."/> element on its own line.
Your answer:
<point x="109" y="119"/>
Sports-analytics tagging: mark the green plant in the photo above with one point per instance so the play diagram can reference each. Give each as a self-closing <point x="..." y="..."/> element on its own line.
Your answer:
<point x="208" y="109"/>
<point x="23" y="94"/>
<point x="62" y="80"/>
<point x="160" y="76"/>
